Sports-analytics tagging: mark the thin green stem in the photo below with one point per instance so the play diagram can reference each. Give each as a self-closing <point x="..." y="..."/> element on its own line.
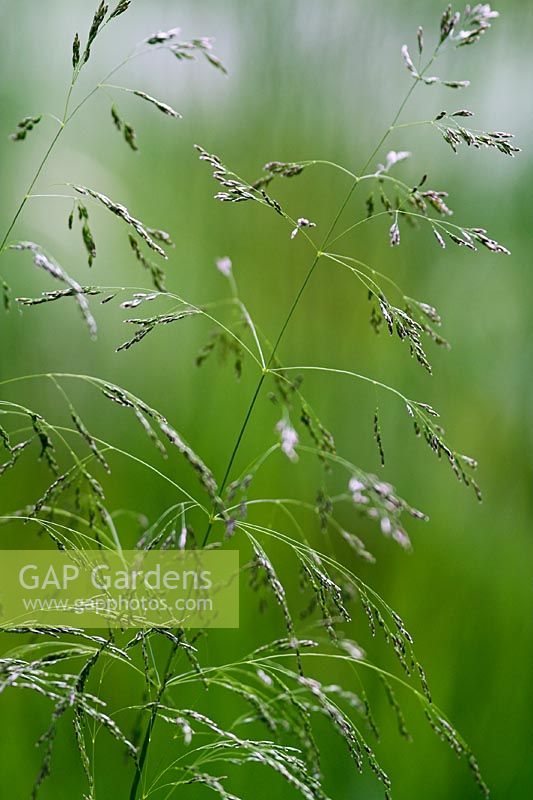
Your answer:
<point x="235" y="450"/>
<point x="150" y="727"/>
<point x="437" y="223"/>
<point x="30" y="187"/>
<point x="357" y="375"/>
<point x="63" y="123"/>
<point x="300" y="293"/>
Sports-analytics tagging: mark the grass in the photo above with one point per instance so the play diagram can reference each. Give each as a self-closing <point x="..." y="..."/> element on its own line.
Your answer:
<point x="273" y="690"/>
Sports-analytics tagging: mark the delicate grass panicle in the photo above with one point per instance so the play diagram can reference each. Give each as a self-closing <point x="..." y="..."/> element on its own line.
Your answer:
<point x="273" y="689"/>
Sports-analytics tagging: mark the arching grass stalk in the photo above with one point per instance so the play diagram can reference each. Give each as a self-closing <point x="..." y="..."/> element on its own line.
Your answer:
<point x="307" y="278"/>
<point x="68" y="115"/>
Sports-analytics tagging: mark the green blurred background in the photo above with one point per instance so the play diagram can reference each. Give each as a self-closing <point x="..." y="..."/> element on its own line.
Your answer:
<point x="308" y="79"/>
